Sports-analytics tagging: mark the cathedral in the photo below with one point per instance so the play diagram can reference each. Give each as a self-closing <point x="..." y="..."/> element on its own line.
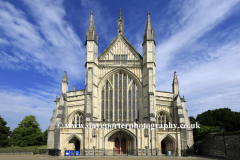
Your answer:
<point x="120" y="88"/>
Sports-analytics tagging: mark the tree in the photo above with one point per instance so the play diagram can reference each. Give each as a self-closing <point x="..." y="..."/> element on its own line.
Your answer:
<point x="4" y="133"/>
<point x="199" y="133"/>
<point x="192" y="120"/>
<point x="223" y="117"/>
<point x="45" y="135"/>
<point x="213" y="120"/>
<point x="27" y="133"/>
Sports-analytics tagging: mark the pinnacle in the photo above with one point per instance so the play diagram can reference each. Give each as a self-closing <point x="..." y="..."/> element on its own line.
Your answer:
<point x="65" y="77"/>
<point x="149" y="33"/>
<point x="175" y="79"/>
<point x="91" y="33"/>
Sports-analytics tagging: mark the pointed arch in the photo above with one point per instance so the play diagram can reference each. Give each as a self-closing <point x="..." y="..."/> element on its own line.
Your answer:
<point x="169" y="117"/>
<point x="71" y="137"/>
<point x="117" y="70"/>
<point x="125" y="131"/>
<point x="168" y="143"/>
<point x="71" y="116"/>
<point x="168" y="136"/>
<point x="132" y="135"/>
<point x="120" y="91"/>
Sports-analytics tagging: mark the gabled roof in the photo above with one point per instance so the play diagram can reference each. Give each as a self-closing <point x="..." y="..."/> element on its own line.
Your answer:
<point x="134" y="51"/>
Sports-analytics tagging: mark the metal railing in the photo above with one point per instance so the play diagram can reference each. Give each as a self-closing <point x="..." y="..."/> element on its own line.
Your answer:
<point x="96" y="152"/>
<point x="22" y="150"/>
<point x="114" y="152"/>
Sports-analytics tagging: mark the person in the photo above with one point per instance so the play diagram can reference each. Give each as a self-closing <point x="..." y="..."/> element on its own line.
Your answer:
<point x="196" y="151"/>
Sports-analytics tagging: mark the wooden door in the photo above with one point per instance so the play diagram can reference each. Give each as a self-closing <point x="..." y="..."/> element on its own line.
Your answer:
<point x="123" y="146"/>
<point x="117" y="145"/>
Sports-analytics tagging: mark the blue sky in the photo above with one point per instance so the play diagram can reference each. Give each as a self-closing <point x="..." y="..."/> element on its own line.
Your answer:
<point x="41" y="39"/>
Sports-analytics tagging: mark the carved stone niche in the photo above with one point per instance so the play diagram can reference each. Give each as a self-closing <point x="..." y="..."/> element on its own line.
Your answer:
<point x="146" y="132"/>
<point x="94" y="132"/>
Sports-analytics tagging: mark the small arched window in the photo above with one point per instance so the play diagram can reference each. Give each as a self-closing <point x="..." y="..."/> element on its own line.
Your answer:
<point x="77" y="119"/>
<point x="162" y="118"/>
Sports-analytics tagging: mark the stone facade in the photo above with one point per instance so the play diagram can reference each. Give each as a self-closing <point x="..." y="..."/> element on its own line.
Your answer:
<point x="120" y="87"/>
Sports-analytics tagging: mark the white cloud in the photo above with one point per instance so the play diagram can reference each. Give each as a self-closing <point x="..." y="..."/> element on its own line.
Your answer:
<point x="214" y="84"/>
<point x="15" y="104"/>
<point x="208" y="70"/>
<point x="50" y="46"/>
<point x="11" y="62"/>
<point x="196" y="20"/>
<point x="3" y="41"/>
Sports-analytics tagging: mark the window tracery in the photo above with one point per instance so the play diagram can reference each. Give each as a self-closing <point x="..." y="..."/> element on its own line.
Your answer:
<point x="120" y="99"/>
<point x="77" y="119"/>
<point x="162" y="118"/>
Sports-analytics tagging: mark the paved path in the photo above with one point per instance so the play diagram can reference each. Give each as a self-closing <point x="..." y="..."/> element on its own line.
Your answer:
<point x="32" y="157"/>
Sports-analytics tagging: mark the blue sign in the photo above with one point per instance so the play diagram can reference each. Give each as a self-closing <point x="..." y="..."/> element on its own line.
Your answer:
<point x="71" y="153"/>
<point x="66" y="153"/>
<point x="169" y="153"/>
<point x="76" y="153"/>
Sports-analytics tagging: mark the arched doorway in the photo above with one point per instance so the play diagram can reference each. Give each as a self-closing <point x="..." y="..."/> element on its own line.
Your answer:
<point x="74" y="144"/>
<point x="168" y="144"/>
<point x="121" y="142"/>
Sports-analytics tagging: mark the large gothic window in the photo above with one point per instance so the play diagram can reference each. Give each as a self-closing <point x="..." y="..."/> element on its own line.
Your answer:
<point x="120" y="99"/>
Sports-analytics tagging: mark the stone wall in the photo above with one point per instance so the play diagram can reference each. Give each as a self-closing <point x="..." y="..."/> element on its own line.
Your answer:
<point x="214" y="145"/>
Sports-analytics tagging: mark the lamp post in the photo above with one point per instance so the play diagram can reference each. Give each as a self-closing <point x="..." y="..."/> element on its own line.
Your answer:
<point x="223" y="131"/>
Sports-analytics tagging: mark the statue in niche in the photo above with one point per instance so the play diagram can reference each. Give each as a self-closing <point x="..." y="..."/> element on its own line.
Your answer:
<point x="120" y="29"/>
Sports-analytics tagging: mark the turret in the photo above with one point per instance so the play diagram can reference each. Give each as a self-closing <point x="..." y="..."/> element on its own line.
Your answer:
<point x="91" y="70"/>
<point x="149" y="71"/>
<point x="175" y="84"/>
<point x="65" y="83"/>
<point x="148" y="43"/>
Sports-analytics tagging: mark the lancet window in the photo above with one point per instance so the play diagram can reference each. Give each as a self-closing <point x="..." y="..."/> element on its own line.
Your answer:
<point x="77" y="119"/>
<point x="120" y="98"/>
<point x="162" y="118"/>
